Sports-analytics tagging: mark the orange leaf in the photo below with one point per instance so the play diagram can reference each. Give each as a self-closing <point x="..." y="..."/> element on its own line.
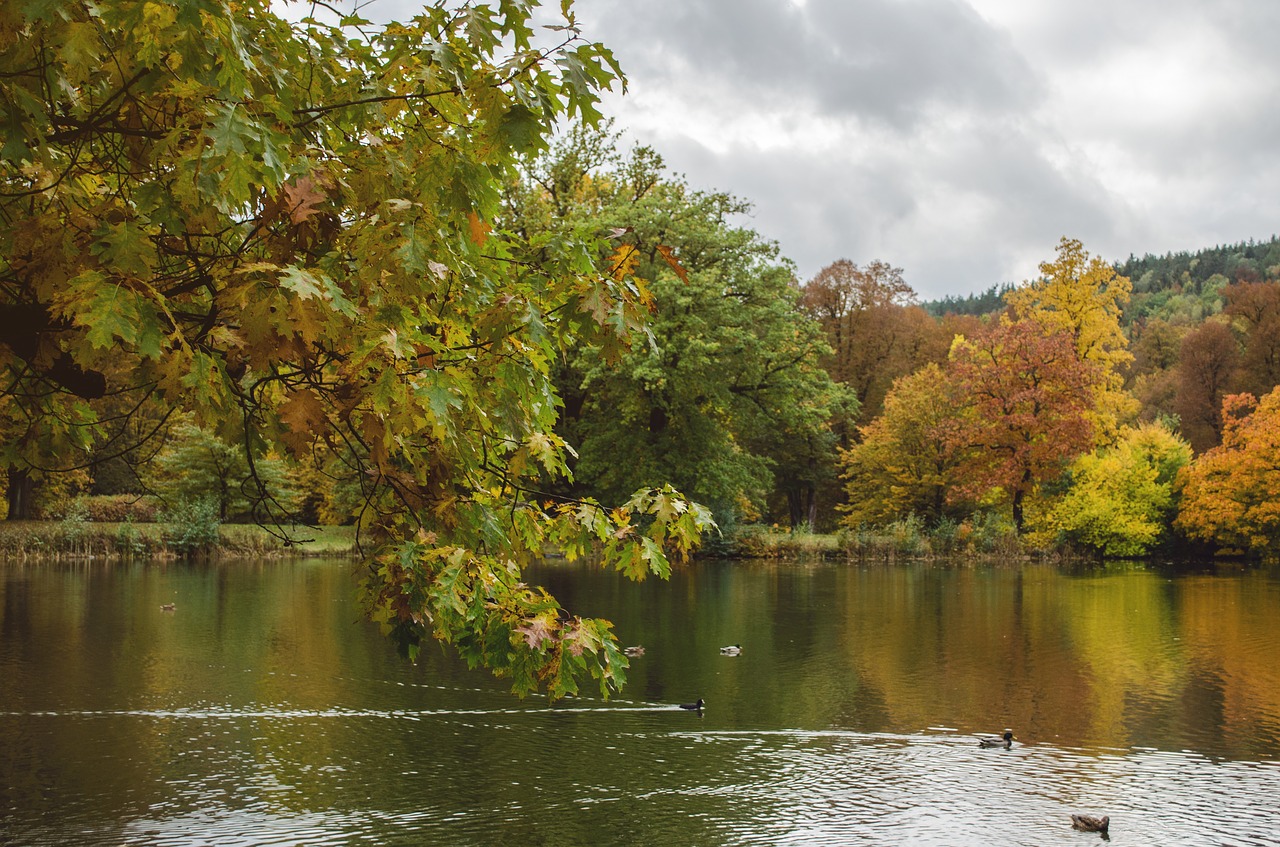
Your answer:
<point x="304" y="415"/>
<point x="304" y="198"/>
<point x="670" y="256"/>
<point x="479" y="229"/>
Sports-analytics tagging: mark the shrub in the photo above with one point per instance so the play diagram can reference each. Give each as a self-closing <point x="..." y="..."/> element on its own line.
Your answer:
<point x="990" y="532"/>
<point x="115" y="508"/>
<point x="907" y="536"/>
<point x="192" y="526"/>
<point x="945" y="536"/>
<point x="75" y="516"/>
<point x="129" y="541"/>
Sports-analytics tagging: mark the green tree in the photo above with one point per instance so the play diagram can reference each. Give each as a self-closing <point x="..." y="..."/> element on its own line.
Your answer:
<point x="195" y="465"/>
<point x="291" y="232"/>
<point x="1121" y="498"/>
<point x="727" y="401"/>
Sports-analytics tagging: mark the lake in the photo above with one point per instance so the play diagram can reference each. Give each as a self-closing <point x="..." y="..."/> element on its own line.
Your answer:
<point x="264" y="710"/>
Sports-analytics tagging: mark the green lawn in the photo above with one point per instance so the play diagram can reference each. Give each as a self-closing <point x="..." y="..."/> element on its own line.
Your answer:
<point x="56" y="539"/>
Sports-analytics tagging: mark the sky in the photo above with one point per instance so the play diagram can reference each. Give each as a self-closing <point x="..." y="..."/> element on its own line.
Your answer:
<point x="959" y="139"/>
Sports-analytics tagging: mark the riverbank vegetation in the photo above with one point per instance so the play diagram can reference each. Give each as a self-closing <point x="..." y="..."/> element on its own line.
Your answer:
<point x="73" y="539"/>
<point x="406" y="280"/>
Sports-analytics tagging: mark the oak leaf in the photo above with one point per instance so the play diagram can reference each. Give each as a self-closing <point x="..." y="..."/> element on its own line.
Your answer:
<point x="669" y="256"/>
<point x="304" y="198"/>
<point x="536" y="631"/>
<point x="304" y="416"/>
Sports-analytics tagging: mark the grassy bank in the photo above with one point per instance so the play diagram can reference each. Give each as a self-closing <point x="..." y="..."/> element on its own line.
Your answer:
<point x="83" y="539"/>
<point x="906" y="540"/>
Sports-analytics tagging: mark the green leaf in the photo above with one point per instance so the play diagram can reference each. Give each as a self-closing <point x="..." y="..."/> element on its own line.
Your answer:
<point x="302" y="282"/>
<point x="125" y="248"/>
<point x="521" y="130"/>
<point x="111" y="314"/>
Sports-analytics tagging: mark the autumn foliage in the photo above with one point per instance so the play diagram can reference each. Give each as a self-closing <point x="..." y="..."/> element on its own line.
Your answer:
<point x="1231" y="494"/>
<point x="1026" y="404"/>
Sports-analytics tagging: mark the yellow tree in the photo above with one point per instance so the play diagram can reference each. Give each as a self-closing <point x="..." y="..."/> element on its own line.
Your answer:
<point x="1084" y="296"/>
<point x="1121" y="496"/>
<point x="904" y="462"/>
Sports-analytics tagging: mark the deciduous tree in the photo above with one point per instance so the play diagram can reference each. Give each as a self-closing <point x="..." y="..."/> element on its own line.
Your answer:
<point x="1231" y="494"/>
<point x="905" y="461"/>
<point x="291" y="232"/>
<point x="1026" y="409"/>
<point x="1122" y="497"/>
<point x="1255" y="306"/>
<point x="727" y="400"/>
<point x="876" y="331"/>
<point x="1210" y="356"/>
<point x="1084" y="296"/>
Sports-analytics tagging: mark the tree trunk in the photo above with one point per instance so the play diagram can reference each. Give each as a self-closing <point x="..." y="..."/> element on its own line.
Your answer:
<point x="795" y="507"/>
<point x="22" y="489"/>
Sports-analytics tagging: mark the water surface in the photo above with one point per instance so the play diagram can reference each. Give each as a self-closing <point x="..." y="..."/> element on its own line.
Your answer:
<point x="263" y="710"/>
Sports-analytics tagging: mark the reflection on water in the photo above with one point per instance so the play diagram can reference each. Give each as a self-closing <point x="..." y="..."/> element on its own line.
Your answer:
<point x="263" y="711"/>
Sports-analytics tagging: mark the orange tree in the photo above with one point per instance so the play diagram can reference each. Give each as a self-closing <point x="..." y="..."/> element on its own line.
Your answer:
<point x="1084" y="296"/>
<point x="291" y="233"/>
<point x="1231" y="494"/>
<point x="1025" y="409"/>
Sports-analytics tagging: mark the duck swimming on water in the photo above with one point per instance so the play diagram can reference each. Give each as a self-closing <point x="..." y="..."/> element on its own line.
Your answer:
<point x="634" y="651"/>
<point x="694" y="707"/>
<point x="731" y="650"/>
<point x="1005" y="741"/>
<point x="1089" y="823"/>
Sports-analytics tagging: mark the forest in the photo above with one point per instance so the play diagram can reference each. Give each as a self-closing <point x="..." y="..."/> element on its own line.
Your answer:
<point x="254" y="270"/>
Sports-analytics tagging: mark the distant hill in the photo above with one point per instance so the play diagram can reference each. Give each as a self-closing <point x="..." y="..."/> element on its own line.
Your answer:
<point x="991" y="300"/>
<point x="1155" y="278"/>
<point x="1248" y="261"/>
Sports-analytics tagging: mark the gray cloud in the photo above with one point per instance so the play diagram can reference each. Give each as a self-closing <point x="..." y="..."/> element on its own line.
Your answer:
<point x="876" y="60"/>
<point x="960" y="139"/>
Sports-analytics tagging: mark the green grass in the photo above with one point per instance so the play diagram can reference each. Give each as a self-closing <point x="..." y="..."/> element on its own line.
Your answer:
<point x="77" y="539"/>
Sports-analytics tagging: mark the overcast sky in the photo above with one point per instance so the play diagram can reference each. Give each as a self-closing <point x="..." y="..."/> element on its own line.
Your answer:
<point x="960" y="139"/>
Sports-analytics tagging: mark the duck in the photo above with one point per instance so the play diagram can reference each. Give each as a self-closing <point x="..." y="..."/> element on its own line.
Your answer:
<point x="634" y="651"/>
<point x="167" y="607"/>
<point x="731" y="650"/>
<point x="694" y="707"/>
<point x="1089" y="823"/>
<point x="1005" y="741"/>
